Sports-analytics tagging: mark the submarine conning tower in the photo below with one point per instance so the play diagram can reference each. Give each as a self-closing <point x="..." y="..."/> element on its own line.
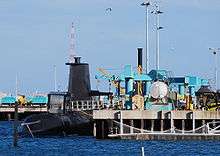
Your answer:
<point x="79" y="86"/>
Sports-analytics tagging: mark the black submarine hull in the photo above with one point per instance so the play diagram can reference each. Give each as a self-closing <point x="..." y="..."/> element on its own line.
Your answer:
<point x="75" y="122"/>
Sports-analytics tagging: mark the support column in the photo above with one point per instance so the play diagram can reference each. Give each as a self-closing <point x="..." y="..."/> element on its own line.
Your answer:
<point x="208" y="128"/>
<point x="15" y="136"/>
<point x="94" y="129"/>
<point x="171" y="122"/>
<point x="121" y="123"/>
<point x="203" y="129"/>
<point x="110" y="126"/>
<point x="128" y="91"/>
<point x="152" y="125"/>
<point x="214" y="124"/>
<point x="103" y="129"/>
<point x="193" y="122"/>
<point x="132" y="125"/>
<point x="161" y="125"/>
<point x="9" y="116"/>
<point x="119" y="90"/>
<point x="77" y="105"/>
<point x="87" y="105"/>
<point x="142" y="125"/>
<point x="183" y="126"/>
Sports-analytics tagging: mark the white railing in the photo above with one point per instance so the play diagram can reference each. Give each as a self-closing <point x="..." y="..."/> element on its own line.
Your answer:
<point x="94" y="105"/>
<point x="86" y="105"/>
<point x="127" y="129"/>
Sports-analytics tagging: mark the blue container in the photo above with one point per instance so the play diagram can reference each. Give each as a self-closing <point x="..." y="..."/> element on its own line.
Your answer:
<point x="38" y="100"/>
<point x="8" y="100"/>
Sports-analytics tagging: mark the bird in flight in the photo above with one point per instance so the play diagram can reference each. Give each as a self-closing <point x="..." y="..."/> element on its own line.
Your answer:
<point x="108" y="9"/>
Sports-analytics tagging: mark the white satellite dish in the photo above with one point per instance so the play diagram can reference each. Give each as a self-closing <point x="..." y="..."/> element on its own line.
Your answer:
<point x="159" y="90"/>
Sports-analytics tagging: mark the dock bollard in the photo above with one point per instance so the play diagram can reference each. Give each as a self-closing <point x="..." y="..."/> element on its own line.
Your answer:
<point x="142" y="151"/>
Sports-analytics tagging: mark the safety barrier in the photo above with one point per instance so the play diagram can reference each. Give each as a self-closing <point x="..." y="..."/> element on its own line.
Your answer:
<point x="86" y="105"/>
<point x="204" y="129"/>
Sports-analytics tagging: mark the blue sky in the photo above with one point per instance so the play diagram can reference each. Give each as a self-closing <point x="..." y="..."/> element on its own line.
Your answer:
<point x="34" y="38"/>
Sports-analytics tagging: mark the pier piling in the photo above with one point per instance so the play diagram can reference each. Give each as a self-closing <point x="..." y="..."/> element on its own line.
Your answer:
<point x="132" y="125"/>
<point x="15" y="138"/>
<point x="142" y="125"/>
<point x="161" y="125"/>
<point x="152" y="125"/>
<point x="183" y="126"/>
<point x="121" y="123"/>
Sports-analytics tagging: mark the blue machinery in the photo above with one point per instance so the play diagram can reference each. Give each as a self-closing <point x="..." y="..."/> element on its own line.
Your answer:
<point x="139" y="88"/>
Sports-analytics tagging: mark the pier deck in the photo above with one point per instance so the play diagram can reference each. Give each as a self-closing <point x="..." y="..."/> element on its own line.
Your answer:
<point x="146" y="114"/>
<point x="7" y="112"/>
<point x="157" y="125"/>
<point x="5" y="109"/>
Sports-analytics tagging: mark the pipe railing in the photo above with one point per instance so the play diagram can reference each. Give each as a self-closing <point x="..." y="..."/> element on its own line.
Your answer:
<point x="86" y="105"/>
<point x="95" y="105"/>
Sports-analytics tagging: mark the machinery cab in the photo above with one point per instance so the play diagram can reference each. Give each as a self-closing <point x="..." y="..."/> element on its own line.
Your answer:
<point x="57" y="102"/>
<point x="208" y="99"/>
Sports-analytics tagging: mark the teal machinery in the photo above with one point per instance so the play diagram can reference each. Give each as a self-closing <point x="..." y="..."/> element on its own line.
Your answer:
<point x="139" y="83"/>
<point x="186" y="87"/>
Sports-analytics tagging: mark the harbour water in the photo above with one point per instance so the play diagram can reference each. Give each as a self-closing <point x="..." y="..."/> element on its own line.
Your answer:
<point x="76" y="145"/>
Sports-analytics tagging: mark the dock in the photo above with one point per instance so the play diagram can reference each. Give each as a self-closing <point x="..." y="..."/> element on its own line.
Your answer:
<point x="7" y="112"/>
<point x="157" y="125"/>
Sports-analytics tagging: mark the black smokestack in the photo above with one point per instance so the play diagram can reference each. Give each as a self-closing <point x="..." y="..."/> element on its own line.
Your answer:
<point x="140" y="57"/>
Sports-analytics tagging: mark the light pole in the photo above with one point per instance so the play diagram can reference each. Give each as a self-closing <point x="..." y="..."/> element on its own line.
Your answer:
<point x="158" y="28"/>
<point x="215" y="51"/>
<point x="146" y="4"/>
<point x="55" y="78"/>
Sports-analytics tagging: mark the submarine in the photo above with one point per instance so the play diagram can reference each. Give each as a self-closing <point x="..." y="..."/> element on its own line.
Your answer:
<point x="61" y="118"/>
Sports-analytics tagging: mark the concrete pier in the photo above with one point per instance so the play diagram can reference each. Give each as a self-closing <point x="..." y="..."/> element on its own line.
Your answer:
<point x="23" y="109"/>
<point x="159" y="125"/>
<point x="162" y="136"/>
<point x="7" y="112"/>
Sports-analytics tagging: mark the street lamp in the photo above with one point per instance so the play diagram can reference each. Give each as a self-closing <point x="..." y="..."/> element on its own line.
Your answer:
<point x="146" y="4"/>
<point x="215" y="51"/>
<point x="55" y="78"/>
<point x="158" y="28"/>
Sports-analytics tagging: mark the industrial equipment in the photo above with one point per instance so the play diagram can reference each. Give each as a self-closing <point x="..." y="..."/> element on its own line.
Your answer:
<point x="112" y="79"/>
<point x="208" y="99"/>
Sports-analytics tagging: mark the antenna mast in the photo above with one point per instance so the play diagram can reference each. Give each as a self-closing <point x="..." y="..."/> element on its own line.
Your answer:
<point x="146" y="4"/>
<point x="215" y="51"/>
<point x="72" y="51"/>
<point x="158" y="28"/>
<point x="16" y="86"/>
<point x="55" y="78"/>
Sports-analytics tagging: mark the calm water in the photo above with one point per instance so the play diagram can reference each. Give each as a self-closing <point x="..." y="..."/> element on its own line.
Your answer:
<point x="74" y="145"/>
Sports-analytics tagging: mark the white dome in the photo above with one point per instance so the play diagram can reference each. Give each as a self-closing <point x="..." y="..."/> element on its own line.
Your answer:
<point x="159" y="90"/>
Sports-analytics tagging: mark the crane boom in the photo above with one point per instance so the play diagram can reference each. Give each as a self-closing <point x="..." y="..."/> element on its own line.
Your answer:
<point x="112" y="79"/>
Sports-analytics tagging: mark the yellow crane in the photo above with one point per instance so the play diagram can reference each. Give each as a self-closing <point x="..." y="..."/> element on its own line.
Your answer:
<point x="108" y="76"/>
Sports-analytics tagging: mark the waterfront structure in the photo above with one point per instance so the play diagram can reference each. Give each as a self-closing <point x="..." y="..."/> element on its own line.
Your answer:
<point x="157" y="125"/>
